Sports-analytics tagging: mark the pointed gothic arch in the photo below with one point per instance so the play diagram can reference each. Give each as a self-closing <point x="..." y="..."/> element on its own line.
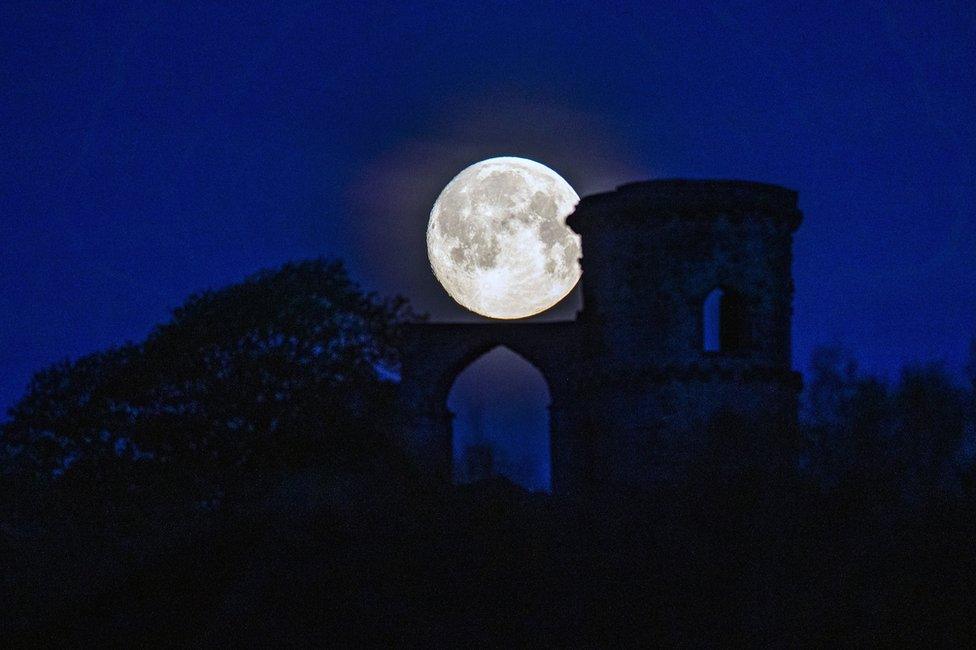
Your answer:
<point x="499" y="405"/>
<point x="434" y="355"/>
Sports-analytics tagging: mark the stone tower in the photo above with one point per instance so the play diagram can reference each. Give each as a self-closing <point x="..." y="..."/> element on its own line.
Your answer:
<point x="653" y="253"/>
<point x="680" y="356"/>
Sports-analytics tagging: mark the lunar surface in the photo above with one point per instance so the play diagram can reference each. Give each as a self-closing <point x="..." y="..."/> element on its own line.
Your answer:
<point x="498" y="240"/>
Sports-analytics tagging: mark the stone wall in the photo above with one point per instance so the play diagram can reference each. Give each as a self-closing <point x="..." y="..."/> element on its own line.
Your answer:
<point x="635" y="396"/>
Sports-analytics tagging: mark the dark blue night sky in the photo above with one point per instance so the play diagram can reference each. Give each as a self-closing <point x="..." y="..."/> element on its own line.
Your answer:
<point x="150" y="151"/>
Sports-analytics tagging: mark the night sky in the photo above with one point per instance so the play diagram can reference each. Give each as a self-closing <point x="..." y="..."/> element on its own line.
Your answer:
<point x="153" y="151"/>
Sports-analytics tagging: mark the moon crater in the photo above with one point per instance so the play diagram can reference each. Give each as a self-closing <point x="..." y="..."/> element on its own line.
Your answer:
<point x="498" y="241"/>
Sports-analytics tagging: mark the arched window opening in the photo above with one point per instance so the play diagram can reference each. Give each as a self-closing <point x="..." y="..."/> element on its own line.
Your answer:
<point x="724" y="323"/>
<point x="501" y="421"/>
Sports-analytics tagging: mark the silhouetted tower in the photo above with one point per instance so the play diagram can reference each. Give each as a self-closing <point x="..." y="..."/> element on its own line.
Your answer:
<point x="687" y="302"/>
<point x="679" y="359"/>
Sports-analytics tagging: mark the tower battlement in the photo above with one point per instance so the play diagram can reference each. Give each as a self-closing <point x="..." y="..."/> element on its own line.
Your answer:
<point x="689" y="199"/>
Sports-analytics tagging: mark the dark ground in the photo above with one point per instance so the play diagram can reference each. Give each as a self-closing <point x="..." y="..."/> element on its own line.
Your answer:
<point x="232" y="481"/>
<point x="372" y="556"/>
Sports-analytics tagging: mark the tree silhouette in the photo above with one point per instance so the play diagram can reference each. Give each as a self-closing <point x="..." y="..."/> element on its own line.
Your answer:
<point x="71" y="411"/>
<point x="288" y="367"/>
<point x="867" y="435"/>
<point x="931" y="421"/>
<point x="828" y="403"/>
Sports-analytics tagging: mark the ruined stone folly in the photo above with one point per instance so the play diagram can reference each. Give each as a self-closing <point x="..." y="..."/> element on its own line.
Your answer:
<point x="679" y="357"/>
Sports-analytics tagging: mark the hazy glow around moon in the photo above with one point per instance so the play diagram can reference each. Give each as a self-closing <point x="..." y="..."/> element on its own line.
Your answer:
<point x="498" y="240"/>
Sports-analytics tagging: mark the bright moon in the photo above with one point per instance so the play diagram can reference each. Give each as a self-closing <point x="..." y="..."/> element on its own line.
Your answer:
<point x="498" y="240"/>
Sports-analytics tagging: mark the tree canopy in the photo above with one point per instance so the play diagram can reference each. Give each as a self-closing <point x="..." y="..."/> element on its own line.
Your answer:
<point x="289" y="366"/>
<point x="909" y="436"/>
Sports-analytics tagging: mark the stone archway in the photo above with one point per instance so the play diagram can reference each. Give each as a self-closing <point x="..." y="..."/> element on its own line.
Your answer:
<point x="500" y="421"/>
<point x="432" y="357"/>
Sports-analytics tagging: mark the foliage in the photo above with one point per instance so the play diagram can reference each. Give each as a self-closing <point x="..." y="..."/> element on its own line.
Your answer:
<point x="288" y="367"/>
<point x="931" y="422"/>
<point x="863" y="431"/>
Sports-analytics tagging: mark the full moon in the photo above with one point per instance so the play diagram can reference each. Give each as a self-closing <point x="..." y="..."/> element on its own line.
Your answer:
<point x="498" y="240"/>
